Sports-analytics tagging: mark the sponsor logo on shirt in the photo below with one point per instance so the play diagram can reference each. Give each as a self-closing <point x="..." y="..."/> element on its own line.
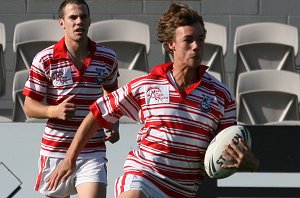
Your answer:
<point x="100" y="74"/>
<point x="205" y="104"/>
<point x="61" y="77"/>
<point x="157" y="94"/>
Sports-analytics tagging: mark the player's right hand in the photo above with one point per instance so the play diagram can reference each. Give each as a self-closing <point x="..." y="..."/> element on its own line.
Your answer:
<point x="66" y="109"/>
<point x="60" y="174"/>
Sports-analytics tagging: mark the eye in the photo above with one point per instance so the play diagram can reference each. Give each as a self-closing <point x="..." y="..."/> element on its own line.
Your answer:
<point x="188" y="40"/>
<point x="73" y="17"/>
<point x="85" y="16"/>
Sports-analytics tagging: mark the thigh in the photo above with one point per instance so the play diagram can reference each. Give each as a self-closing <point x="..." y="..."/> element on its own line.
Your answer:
<point x="46" y="166"/>
<point x="91" y="190"/>
<point x="91" y="178"/>
<point x="132" y="194"/>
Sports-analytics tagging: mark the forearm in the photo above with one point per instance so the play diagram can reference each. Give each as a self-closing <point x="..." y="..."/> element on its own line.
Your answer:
<point x="85" y="132"/>
<point x="36" y="109"/>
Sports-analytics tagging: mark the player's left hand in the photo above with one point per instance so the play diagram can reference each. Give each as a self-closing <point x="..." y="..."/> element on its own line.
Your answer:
<point x="112" y="133"/>
<point x="60" y="174"/>
<point x="243" y="158"/>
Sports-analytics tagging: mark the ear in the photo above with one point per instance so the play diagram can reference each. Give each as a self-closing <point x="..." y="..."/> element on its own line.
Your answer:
<point x="61" y="23"/>
<point x="171" y="45"/>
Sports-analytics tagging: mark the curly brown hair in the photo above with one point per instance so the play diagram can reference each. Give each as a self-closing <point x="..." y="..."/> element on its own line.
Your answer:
<point x="177" y="15"/>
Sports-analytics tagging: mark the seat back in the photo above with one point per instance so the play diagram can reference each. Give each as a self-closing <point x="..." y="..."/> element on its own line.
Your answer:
<point x="19" y="81"/>
<point x="32" y="36"/>
<point x="267" y="96"/>
<point x="2" y="66"/>
<point x="129" y="39"/>
<point x="18" y="114"/>
<point x="127" y="75"/>
<point x="215" y="48"/>
<point x="265" y="46"/>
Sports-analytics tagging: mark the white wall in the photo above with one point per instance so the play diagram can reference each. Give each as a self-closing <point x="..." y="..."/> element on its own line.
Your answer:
<point x="19" y="151"/>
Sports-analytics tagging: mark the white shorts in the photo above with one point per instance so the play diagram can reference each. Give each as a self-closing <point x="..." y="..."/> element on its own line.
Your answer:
<point x="87" y="170"/>
<point x="135" y="182"/>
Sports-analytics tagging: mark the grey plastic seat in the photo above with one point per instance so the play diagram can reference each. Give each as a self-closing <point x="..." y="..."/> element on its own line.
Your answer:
<point x="32" y="36"/>
<point x="127" y="75"/>
<point x="129" y="39"/>
<point x="214" y="50"/>
<point x="268" y="97"/>
<point x="18" y="114"/>
<point x="2" y="66"/>
<point x="265" y="45"/>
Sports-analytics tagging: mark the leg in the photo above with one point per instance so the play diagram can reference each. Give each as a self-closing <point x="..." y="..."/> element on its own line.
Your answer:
<point x="132" y="194"/>
<point x="134" y="186"/>
<point x="91" y="190"/>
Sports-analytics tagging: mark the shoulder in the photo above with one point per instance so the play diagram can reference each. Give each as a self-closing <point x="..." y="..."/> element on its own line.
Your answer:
<point x="46" y="53"/>
<point x="104" y="51"/>
<point x="220" y="88"/>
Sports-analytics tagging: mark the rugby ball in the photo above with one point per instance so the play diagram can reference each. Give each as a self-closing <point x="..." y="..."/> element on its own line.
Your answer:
<point x="213" y="157"/>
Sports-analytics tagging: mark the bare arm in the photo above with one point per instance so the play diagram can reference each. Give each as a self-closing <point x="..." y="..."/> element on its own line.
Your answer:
<point x="85" y="132"/>
<point x="36" y="109"/>
<point x="114" y="135"/>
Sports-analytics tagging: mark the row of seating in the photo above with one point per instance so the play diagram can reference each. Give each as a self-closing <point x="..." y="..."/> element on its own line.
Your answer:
<point x="258" y="46"/>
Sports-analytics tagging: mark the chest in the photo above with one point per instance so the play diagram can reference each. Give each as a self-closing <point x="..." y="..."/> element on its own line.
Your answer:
<point x="66" y="74"/>
<point x="165" y="103"/>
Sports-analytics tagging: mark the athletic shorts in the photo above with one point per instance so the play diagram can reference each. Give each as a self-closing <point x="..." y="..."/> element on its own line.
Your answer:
<point x="134" y="182"/>
<point x="87" y="170"/>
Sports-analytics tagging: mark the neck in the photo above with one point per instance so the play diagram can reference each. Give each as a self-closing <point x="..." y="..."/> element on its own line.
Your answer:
<point x="184" y="77"/>
<point x="77" y="52"/>
<point x="77" y="48"/>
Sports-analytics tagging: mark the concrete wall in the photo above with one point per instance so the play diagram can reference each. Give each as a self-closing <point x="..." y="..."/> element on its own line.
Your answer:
<point x="277" y="176"/>
<point x="19" y="152"/>
<point x="230" y="13"/>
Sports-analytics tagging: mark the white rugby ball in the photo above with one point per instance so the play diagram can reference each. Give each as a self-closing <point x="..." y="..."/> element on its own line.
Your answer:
<point x="213" y="156"/>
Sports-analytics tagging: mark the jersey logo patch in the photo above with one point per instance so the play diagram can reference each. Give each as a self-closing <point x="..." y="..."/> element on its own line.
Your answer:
<point x="157" y="94"/>
<point x="100" y="74"/>
<point x="205" y="104"/>
<point x="61" y="77"/>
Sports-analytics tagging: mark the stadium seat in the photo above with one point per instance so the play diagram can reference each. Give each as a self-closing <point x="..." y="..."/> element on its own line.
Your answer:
<point x="265" y="45"/>
<point x="214" y="50"/>
<point x="32" y="36"/>
<point x="268" y="97"/>
<point x="2" y="66"/>
<point x="19" y="81"/>
<point x="129" y="39"/>
<point x="127" y="75"/>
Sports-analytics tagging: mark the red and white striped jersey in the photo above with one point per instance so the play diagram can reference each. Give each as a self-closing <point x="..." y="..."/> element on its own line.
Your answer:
<point x="178" y="127"/>
<point x="54" y="77"/>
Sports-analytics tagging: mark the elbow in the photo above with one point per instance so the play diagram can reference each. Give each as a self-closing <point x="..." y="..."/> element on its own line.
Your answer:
<point x="27" y="111"/>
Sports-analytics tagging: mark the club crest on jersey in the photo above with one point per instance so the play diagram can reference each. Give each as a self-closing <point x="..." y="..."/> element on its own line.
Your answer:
<point x="157" y="94"/>
<point x="100" y="74"/>
<point x="61" y="77"/>
<point x="205" y="104"/>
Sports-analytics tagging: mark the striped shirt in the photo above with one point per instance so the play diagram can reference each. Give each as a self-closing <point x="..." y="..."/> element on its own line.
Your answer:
<point x="178" y="126"/>
<point x="53" y="77"/>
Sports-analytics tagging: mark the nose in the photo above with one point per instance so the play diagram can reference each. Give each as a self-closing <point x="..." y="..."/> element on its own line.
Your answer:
<point x="78" y="20"/>
<point x="196" y="45"/>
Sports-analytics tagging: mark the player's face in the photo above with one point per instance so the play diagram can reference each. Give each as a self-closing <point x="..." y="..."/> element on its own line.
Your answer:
<point x="188" y="45"/>
<point x="76" y="21"/>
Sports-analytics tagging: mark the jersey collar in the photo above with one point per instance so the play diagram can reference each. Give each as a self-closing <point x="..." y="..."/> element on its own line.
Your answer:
<point x="60" y="49"/>
<point x="163" y="69"/>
